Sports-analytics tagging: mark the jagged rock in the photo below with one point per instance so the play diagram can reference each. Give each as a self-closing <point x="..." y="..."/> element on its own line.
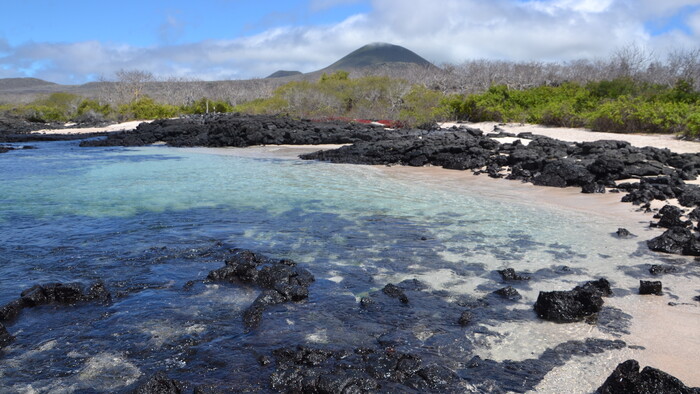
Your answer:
<point x="508" y="293"/>
<point x="509" y="274"/>
<point x="573" y="305"/>
<point x="676" y="240"/>
<point x="394" y="291"/>
<point x="54" y="293"/>
<point x="282" y="280"/>
<point x="690" y="197"/>
<point x="650" y="287"/>
<point x="564" y="172"/>
<point x="626" y="378"/>
<point x="670" y="216"/>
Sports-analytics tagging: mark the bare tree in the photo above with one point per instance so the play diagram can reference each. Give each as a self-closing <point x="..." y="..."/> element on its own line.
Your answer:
<point x="130" y="84"/>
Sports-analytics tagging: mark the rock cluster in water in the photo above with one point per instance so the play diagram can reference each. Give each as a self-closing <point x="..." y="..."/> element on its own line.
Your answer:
<point x="50" y="293"/>
<point x="282" y="281"/>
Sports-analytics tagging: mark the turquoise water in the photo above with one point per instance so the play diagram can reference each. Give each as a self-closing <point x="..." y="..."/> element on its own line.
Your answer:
<point x="148" y="220"/>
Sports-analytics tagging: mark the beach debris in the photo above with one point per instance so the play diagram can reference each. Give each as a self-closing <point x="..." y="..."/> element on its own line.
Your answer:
<point x="573" y="305"/>
<point x="627" y="378"/>
<point x="650" y="287"/>
<point x="282" y="281"/>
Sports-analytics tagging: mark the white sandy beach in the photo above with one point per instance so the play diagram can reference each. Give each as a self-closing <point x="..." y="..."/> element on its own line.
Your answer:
<point x="126" y="126"/>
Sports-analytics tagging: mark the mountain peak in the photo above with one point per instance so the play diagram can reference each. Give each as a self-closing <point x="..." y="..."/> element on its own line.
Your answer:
<point x="375" y="54"/>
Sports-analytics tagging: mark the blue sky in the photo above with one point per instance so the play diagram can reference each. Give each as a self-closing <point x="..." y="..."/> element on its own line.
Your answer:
<point x="75" y="41"/>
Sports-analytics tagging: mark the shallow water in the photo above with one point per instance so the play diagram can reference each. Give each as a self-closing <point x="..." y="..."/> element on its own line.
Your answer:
<point x="148" y="220"/>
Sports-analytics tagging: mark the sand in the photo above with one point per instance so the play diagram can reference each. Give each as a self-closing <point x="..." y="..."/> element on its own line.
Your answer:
<point x="126" y="126"/>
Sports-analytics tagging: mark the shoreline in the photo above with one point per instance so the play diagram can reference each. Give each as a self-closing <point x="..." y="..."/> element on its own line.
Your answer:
<point x="653" y="320"/>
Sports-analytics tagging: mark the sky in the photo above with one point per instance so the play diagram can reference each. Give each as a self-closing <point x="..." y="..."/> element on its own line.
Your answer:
<point x="76" y="41"/>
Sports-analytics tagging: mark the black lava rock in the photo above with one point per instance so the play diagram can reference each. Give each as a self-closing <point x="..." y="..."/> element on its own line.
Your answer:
<point x="623" y="233"/>
<point x="676" y="240"/>
<point x="670" y="216"/>
<point x="282" y="280"/>
<point x="5" y="337"/>
<point x="662" y="269"/>
<point x="310" y="370"/>
<point x="650" y="287"/>
<point x="159" y="384"/>
<point x="54" y="293"/>
<point x="626" y="379"/>
<point x="573" y="305"/>
<point x="465" y="318"/>
<point x="508" y="293"/>
<point x="394" y="291"/>
<point x="509" y="274"/>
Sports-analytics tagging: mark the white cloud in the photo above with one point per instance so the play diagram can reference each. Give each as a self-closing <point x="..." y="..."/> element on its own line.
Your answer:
<point x="445" y="31"/>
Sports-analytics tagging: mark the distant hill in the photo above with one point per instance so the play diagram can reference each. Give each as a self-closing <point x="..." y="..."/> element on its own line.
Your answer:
<point x="283" y="73"/>
<point x="377" y="54"/>
<point x="23" y="83"/>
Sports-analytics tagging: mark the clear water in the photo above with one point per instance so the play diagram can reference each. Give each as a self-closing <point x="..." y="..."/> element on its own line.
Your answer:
<point x="148" y="220"/>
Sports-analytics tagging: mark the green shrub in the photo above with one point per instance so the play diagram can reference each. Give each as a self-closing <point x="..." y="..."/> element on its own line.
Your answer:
<point x="146" y="108"/>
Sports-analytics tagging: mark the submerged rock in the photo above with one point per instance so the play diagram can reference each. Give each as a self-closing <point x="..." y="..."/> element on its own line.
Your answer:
<point x="54" y="293"/>
<point x="5" y="337"/>
<point x="573" y="305"/>
<point x="650" y="287"/>
<point x="282" y="280"/>
<point x="626" y="378"/>
<point x="465" y="318"/>
<point x="508" y="293"/>
<point x="313" y="370"/>
<point x="159" y="384"/>
<point x="394" y="291"/>
<point x="509" y="274"/>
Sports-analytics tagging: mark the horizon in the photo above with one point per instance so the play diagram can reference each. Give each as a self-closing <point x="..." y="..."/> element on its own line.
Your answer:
<point x="229" y="40"/>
